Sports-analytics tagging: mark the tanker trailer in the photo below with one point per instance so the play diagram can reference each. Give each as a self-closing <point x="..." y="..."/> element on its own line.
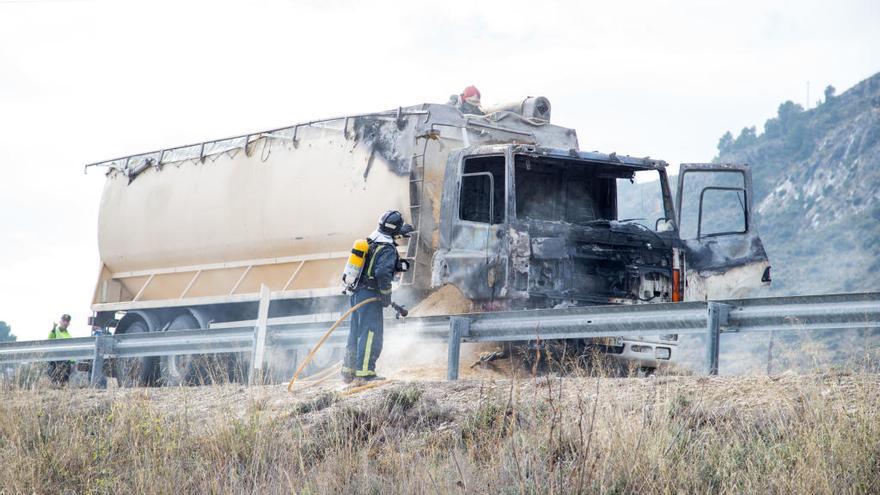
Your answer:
<point x="508" y="215"/>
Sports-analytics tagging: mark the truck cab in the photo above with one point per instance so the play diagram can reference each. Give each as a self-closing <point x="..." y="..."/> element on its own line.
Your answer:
<point x="525" y="226"/>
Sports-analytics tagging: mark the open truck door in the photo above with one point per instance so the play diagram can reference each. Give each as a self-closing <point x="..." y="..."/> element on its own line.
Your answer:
<point x="724" y="256"/>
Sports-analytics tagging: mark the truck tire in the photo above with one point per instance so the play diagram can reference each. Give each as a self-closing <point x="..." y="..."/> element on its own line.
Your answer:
<point x="194" y="369"/>
<point x="178" y="370"/>
<point x="135" y="372"/>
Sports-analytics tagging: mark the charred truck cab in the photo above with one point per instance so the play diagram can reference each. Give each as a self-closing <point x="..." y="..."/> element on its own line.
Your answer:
<point x="538" y="228"/>
<point x="525" y="227"/>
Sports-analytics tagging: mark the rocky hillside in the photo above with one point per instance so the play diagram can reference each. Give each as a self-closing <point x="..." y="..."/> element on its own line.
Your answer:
<point x="817" y="190"/>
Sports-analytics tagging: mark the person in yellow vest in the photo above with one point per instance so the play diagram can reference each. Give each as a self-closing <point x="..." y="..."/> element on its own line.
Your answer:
<point x="59" y="371"/>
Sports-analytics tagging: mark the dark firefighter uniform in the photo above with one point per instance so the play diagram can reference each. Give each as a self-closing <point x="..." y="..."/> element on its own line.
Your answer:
<point x="365" y="337"/>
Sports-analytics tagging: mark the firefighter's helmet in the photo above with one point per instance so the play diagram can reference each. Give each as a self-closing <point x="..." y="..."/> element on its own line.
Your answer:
<point x="392" y="224"/>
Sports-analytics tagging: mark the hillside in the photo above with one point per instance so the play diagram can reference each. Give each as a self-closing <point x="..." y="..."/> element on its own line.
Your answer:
<point x="817" y="190"/>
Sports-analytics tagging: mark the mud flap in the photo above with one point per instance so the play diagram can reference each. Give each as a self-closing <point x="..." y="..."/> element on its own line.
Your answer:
<point x="724" y="255"/>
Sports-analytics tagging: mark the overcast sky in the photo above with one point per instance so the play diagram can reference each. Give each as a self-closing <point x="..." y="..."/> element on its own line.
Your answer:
<point x="82" y="81"/>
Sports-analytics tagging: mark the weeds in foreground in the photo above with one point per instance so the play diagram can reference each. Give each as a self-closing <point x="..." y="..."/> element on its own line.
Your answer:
<point x="571" y="435"/>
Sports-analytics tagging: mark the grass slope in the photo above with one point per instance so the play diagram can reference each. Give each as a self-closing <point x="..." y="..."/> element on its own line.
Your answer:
<point x="816" y="433"/>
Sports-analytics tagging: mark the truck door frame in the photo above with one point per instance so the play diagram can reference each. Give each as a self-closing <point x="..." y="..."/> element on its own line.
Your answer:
<point x="473" y="254"/>
<point x="727" y="264"/>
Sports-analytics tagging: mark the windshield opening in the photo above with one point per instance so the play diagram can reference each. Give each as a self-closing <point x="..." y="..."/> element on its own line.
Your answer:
<point x="640" y="200"/>
<point x="713" y="203"/>
<point x="552" y="189"/>
<point x="556" y="190"/>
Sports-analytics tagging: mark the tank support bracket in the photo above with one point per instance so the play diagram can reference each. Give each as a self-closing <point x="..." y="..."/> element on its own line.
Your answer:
<point x="259" y="351"/>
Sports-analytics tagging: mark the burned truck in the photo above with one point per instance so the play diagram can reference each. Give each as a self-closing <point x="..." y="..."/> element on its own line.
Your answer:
<point x="508" y="213"/>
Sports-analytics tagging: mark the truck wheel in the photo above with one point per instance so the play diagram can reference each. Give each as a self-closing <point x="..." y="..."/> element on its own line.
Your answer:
<point x="135" y="372"/>
<point x="178" y="370"/>
<point x="194" y="369"/>
<point x="645" y="371"/>
<point x="237" y="367"/>
<point x="207" y="369"/>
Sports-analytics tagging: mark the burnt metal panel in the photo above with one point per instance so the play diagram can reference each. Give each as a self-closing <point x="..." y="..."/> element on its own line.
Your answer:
<point x="717" y="254"/>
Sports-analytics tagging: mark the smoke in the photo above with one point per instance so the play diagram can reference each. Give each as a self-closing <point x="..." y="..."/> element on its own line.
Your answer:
<point x="408" y="356"/>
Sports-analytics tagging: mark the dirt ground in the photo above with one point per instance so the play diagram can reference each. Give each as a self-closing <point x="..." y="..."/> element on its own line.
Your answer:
<point x="744" y="393"/>
<point x="785" y="433"/>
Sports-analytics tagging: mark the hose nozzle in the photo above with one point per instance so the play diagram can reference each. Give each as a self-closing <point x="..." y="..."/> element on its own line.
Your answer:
<point x="401" y="311"/>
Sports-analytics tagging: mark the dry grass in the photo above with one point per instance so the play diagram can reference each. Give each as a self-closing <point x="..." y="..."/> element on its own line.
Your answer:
<point x="817" y="433"/>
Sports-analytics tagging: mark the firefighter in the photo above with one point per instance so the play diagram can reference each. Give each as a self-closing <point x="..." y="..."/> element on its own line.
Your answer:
<point x="59" y="371"/>
<point x="380" y="265"/>
<point x="468" y="101"/>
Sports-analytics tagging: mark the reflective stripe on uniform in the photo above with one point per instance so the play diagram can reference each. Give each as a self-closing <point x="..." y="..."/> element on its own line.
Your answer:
<point x="367" y="351"/>
<point x="373" y="259"/>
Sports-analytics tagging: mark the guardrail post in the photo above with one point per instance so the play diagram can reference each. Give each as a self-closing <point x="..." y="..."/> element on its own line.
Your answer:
<point x="458" y="328"/>
<point x="259" y="351"/>
<point x="716" y="316"/>
<point x="103" y="345"/>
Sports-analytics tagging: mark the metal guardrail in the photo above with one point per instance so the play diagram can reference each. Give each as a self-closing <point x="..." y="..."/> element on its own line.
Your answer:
<point x="774" y="314"/>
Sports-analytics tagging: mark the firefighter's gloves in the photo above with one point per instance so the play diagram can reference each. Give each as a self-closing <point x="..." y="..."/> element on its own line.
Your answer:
<point x="402" y="266"/>
<point x="386" y="299"/>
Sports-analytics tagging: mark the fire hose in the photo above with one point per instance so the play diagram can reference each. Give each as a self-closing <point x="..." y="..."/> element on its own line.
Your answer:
<point x="401" y="311"/>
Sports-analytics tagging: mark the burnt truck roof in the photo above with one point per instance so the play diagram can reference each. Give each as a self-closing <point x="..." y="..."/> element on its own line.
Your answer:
<point x="430" y="115"/>
<point x="612" y="159"/>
